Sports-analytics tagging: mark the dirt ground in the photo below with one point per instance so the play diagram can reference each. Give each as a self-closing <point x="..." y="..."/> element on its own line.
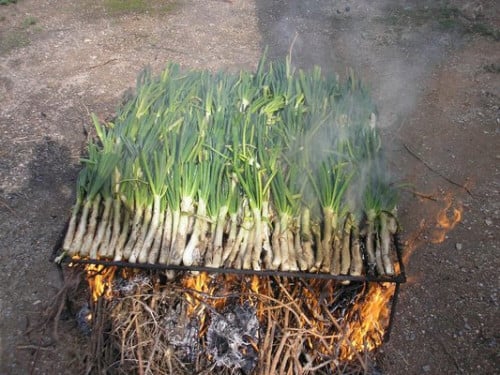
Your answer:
<point x="433" y="67"/>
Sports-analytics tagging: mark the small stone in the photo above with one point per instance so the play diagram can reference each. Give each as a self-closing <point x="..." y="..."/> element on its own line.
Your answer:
<point x="488" y="222"/>
<point x="426" y="368"/>
<point x="458" y="246"/>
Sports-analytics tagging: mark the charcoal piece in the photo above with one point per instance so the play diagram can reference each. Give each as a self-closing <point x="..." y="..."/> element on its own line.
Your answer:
<point x="232" y="336"/>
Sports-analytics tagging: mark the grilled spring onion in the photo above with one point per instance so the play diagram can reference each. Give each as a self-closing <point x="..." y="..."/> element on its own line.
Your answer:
<point x="251" y="170"/>
<point x="330" y="184"/>
<point x="96" y="176"/>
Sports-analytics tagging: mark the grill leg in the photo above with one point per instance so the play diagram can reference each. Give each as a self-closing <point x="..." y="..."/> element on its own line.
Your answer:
<point x="393" y="313"/>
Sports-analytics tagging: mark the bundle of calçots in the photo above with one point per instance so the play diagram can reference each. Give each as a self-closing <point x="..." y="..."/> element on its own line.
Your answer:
<point x="273" y="169"/>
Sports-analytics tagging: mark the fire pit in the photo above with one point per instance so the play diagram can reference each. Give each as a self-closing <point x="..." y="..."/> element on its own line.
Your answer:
<point x="229" y="322"/>
<point x="244" y="222"/>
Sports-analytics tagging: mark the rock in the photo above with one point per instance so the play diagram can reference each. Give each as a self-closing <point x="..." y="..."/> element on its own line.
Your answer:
<point x="426" y="368"/>
<point x="488" y="222"/>
<point x="458" y="246"/>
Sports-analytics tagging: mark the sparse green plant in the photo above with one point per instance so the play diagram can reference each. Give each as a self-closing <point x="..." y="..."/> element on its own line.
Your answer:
<point x="447" y="18"/>
<point x="29" y="21"/>
<point x="18" y="37"/>
<point x="138" y="6"/>
<point x="6" y="2"/>
<point x="125" y="6"/>
<point x="484" y="30"/>
<point x="13" y="39"/>
<point x="492" y="68"/>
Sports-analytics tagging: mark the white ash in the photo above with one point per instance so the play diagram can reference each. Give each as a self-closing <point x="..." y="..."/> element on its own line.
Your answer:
<point x="182" y="332"/>
<point x="128" y="286"/>
<point x="230" y="336"/>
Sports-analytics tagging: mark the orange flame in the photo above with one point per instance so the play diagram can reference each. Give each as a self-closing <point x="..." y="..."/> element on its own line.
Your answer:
<point x="199" y="283"/>
<point x="368" y="316"/>
<point x="447" y="219"/>
<point x="255" y="284"/>
<point x="214" y="288"/>
<point x="362" y="329"/>
<point x="100" y="279"/>
<point x="369" y="319"/>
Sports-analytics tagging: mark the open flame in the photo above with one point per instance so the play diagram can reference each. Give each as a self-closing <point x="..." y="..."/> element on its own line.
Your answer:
<point x="313" y="303"/>
<point x="446" y="219"/>
<point x="322" y="322"/>
<point x="100" y="280"/>
<point x="367" y="332"/>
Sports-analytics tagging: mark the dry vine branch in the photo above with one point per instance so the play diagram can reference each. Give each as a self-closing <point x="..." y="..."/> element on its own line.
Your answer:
<point x="149" y="325"/>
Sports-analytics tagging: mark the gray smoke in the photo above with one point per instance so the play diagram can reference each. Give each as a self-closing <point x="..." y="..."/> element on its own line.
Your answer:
<point x="393" y="45"/>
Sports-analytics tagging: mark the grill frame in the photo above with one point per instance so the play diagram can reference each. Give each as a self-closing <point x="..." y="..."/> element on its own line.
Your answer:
<point x="398" y="279"/>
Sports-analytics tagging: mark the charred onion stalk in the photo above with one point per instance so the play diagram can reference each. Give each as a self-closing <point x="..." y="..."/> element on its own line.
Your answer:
<point x="285" y="204"/>
<point x="356" y="267"/>
<point x="156" y="170"/>
<point x="108" y="252"/>
<point x="370" y="241"/>
<point x="262" y="170"/>
<point x="306" y="236"/>
<point x="330" y="184"/>
<point x="388" y="227"/>
<point x="250" y="178"/>
<point x="172" y="216"/>
<point x="346" y="246"/>
<point x="189" y="186"/>
<point x="379" y="198"/>
<point x="233" y="224"/>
